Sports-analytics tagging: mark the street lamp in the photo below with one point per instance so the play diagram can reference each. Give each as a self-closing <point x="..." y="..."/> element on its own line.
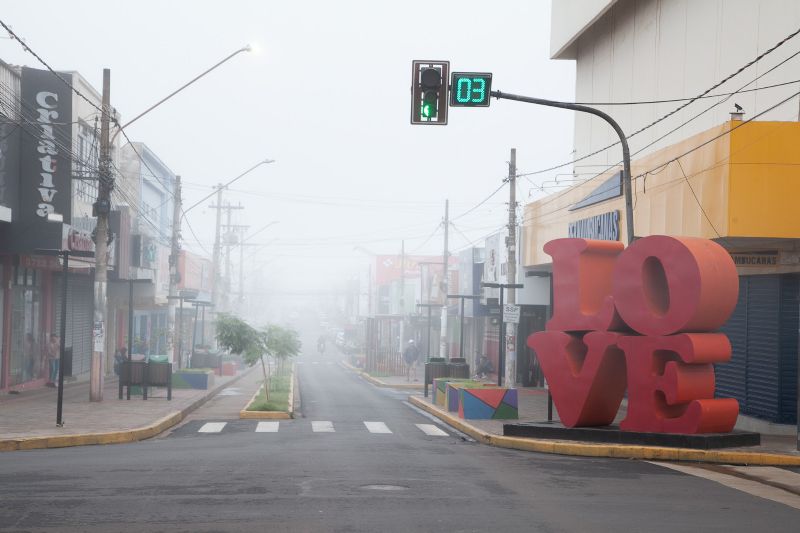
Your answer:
<point x="501" y="363"/>
<point x="246" y="48"/>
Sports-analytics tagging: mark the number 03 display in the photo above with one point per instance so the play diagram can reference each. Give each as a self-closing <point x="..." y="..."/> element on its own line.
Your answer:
<point x="470" y="89"/>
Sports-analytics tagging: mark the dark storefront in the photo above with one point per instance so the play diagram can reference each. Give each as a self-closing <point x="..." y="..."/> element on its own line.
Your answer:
<point x="763" y="330"/>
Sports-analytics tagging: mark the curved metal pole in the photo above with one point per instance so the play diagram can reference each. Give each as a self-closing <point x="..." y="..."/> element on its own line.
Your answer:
<point x="225" y="186"/>
<point x="173" y="93"/>
<point x="626" y="154"/>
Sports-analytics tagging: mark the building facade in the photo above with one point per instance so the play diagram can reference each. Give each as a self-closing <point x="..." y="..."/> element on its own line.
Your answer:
<point x="722" y="168"/>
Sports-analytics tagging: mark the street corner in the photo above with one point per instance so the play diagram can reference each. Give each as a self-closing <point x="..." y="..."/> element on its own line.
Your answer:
<point x="617" y="451"/>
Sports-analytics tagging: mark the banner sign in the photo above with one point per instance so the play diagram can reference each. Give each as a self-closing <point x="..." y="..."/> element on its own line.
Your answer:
<point x="45" y="162"/>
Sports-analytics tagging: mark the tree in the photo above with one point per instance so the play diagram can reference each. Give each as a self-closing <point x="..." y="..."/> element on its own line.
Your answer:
<point x="239" y="337"/>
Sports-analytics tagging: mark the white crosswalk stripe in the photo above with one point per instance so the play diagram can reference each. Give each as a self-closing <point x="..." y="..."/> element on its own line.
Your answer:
<point x="377" y="427"/>
<point x="267" y="427"/>
<point x="322" y="426"/>
<point x="430" y="429"/>
<point x="212" y="427"/>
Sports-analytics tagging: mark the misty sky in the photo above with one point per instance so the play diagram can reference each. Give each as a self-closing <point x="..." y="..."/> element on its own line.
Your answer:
<point x="327" y="97"/>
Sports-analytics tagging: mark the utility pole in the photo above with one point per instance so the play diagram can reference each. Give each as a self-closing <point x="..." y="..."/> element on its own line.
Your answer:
<point x="102" y="207"/>
<point x="215" y="279"/>
<point x="445" y="261"/>
<point x="511" y="328"/>
<point x="229" y="243"/>
<point x="173" y="268"/>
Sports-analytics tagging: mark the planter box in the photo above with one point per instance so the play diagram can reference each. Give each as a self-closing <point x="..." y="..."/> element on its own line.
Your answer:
<point x="193" y="380"/>
<point x="497" y="403"/>
<point x="229" y="368"/>
<point x="440" y="390"/>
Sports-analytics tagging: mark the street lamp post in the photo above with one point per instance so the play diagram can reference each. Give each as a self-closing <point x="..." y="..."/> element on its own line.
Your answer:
<point x="63" y="326"/>
<point x="501" y="363"/>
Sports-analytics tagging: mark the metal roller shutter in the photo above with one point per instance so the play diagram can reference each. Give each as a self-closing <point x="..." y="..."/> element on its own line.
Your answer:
<point x="790" y="318"/>
<point x="731" y="377"/>
<point x="763" y="348"/>
<point x="80" y="316"/>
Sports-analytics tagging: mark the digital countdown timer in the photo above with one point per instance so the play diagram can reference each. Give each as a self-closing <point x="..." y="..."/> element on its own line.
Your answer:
<point x="470" y="89"/>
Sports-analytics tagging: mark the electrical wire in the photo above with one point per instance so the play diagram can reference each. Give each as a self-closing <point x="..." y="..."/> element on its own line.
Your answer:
<point x="42" y="61"/>
<point x="677" y="109"/>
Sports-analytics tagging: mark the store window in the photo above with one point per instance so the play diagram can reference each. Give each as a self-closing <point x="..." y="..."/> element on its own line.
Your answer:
<point x="27" y="337"/>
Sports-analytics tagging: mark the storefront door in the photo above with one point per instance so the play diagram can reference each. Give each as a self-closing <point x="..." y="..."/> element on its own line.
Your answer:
<point x="27" y="337"/>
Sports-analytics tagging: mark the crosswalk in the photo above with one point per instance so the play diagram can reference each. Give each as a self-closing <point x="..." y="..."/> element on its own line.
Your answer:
<point x="324" y="426"/>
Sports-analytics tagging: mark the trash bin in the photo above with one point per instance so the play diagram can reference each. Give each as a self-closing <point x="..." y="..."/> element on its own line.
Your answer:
<point x="458" y="368"/>
<point x="436" y="367"/>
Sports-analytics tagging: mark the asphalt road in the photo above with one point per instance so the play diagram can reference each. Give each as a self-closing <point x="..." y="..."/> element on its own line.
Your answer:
<point x="355" y="477"/>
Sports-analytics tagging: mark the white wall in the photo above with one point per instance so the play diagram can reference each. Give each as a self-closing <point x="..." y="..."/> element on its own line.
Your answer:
<point x="661" y="49"/>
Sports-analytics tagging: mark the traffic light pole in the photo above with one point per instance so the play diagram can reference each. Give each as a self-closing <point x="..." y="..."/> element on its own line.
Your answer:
<point x="626" y="154"/>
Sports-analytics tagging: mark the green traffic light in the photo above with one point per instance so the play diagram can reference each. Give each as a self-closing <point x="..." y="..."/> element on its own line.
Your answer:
<point x="429" y="104"/>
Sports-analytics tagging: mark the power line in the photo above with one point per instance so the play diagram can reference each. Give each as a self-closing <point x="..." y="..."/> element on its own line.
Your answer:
<point x="673" y="100"/>
<point x="42" y="61"/>
<point x="476" y="206"/>
<point x="669" y="114"/>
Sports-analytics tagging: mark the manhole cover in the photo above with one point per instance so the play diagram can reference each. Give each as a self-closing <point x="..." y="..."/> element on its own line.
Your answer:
<point x="383" y="487"/>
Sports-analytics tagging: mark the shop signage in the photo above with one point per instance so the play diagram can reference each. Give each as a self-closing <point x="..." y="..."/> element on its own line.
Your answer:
<point x="511" y="313"/>
<point x="604" y="227"/>
<point x="755" y="259"/>
<point x="641" y="319"/>
<point x="45" y="176"/>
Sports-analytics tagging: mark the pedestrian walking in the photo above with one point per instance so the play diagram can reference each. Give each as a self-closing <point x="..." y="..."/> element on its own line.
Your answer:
<point x="410" y="357"/>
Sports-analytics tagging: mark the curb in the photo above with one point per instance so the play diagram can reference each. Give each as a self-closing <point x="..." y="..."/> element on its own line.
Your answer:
<point x="112" y="437"/>
<point x="620" y="451"/>
<point x="271" y="415"/>
<point x="380" y="383"/>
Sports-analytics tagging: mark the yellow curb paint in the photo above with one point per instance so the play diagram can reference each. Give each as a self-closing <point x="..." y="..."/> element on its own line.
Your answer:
<point x="621" y="451"/>
<point x="271" y="415"/>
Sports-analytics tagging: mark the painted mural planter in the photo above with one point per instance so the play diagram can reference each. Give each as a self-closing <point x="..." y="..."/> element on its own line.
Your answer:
<point x="439" y="391"/>
<point x="488" y="403"/>
<point x="193" y="380"/>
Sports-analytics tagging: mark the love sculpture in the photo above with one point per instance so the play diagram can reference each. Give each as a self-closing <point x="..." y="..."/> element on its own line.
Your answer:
<point x="641" y="319"/>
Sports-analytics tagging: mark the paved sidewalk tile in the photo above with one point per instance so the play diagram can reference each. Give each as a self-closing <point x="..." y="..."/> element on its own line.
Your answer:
<point x="33" y="413"/>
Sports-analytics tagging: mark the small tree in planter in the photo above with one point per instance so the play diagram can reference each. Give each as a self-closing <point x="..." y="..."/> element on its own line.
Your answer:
<point x="281" y="343"/>
<point x="240" y="338"/>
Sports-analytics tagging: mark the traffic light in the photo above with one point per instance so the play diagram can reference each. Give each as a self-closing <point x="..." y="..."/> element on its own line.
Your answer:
<point x="429" y="92"/>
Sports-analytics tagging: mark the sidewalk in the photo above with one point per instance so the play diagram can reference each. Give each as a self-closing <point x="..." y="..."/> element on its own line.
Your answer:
<point x="392" y="382"/>
<point x="28" y="420"/>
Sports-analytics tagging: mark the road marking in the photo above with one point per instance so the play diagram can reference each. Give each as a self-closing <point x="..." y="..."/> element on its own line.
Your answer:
<point x="322" y="426"/>
<point x="212" y="427"/>
<point x="267" y="427"/>
<point x="430" y="429"/>
<point x="745" y="485"/>
<point x="377" y="427"/>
